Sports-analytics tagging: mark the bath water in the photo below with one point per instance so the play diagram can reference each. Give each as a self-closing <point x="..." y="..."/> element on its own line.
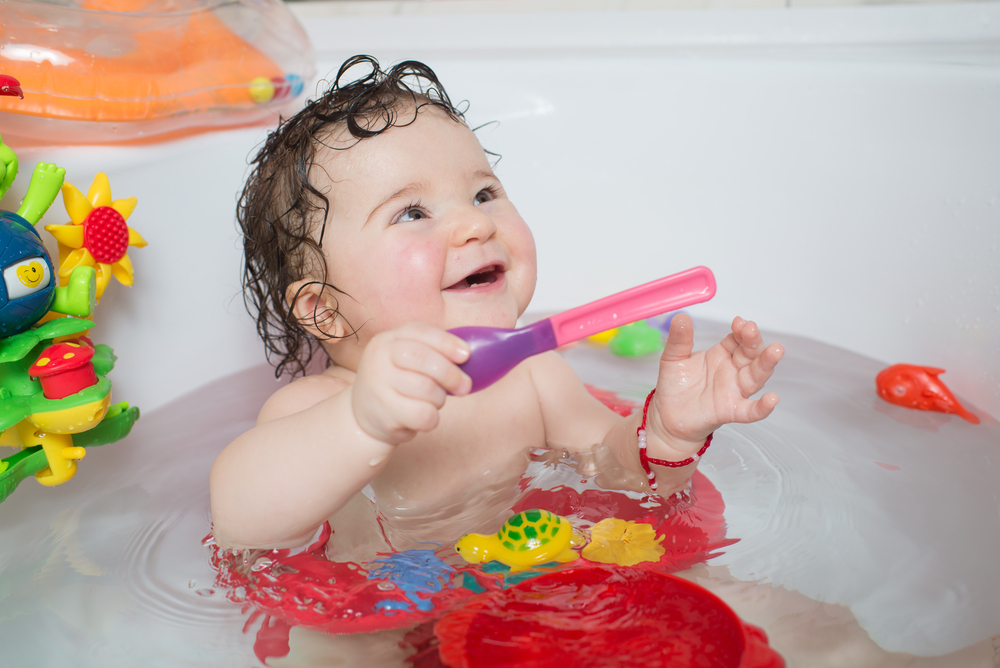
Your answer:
<point x="838" y="495"/>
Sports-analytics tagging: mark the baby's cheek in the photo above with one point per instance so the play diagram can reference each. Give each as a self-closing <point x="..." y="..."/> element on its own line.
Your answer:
<point x="416" y="270"/>
<point x="522" y="246"/>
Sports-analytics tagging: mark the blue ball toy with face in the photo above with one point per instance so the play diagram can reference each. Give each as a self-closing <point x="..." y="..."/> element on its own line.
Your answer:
<point x="28" y="289"/>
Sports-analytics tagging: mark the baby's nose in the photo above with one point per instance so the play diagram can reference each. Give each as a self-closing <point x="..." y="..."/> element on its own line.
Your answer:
<point x="472" y="224"/>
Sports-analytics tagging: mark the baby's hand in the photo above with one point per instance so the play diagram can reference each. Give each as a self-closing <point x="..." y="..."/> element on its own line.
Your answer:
<point x="404" y="377"/>
<point x="697" y="393"/>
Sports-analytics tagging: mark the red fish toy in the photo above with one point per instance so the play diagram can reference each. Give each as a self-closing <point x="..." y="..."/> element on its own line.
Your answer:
<point x="918" y="387"/>
<point x="10" y="86"/>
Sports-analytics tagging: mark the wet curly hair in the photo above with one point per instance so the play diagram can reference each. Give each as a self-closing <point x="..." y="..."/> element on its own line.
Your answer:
<point x="283" y="215"/>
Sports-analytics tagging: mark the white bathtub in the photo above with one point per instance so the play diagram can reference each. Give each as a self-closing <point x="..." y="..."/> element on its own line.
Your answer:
<point x="836" y="168"/>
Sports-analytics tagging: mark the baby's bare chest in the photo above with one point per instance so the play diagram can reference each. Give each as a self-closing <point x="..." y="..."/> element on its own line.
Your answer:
<point x="482" y="439"/>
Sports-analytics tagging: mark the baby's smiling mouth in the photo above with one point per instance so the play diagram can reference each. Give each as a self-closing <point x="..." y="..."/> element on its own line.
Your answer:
<point x="484" y="276"/>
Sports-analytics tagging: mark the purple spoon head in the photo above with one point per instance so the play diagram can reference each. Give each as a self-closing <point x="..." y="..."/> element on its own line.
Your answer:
<point x="495" y="351"/>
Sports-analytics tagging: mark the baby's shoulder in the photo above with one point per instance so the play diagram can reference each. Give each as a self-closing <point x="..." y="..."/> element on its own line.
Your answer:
<point x="301" y="394"/>
<point x="550" y="372"/>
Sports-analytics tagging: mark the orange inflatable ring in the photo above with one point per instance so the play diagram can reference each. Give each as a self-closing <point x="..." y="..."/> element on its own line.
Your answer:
<point x="125" y="70"/>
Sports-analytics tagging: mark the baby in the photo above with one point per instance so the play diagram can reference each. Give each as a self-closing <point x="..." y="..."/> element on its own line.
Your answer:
<point x="373" y="224"/>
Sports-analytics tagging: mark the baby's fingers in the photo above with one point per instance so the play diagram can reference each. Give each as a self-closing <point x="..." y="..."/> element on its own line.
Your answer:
<point x="419" y="386"/>
<point x="749" y="342"/>
<point x="449" y="345"/>
<point x="760" y="409"/>
<point x="754" y="375"/>
<point x="433" y="371"/>
<point x="429" y="369"/>
<point x="417" y="415"/>
<point x="733" y="339"/>
<point x="680" y="339"/>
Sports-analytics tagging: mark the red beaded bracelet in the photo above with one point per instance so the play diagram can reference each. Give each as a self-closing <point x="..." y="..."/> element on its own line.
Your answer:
<point x="646" y="460"/>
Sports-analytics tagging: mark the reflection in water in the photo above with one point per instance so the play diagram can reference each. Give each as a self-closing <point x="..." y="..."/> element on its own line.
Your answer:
<point x="837" y="495"/>
<point x="430" y="586"/>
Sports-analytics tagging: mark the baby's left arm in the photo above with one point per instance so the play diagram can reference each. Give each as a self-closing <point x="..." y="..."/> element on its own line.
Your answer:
<point x="696" y="393"/>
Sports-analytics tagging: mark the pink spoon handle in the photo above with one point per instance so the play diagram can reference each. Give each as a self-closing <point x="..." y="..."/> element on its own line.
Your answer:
<point x="660" y="296"/>
<point x="496" y="351"/>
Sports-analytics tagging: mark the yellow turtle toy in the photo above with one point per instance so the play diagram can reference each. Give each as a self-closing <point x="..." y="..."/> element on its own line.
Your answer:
<point x="530" y="538"/>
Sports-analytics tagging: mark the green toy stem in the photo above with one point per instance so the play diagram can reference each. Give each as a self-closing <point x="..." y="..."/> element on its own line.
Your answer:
<point x="46" y="181"/>
<point x="79" y="297"/>
<point x="8" y="167"/>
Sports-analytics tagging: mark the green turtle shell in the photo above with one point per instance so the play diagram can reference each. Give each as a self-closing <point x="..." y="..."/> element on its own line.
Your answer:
<point x="530" y="529"/>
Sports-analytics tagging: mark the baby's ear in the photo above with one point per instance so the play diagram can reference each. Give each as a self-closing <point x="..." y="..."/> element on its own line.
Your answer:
<point x="312" y="307"/>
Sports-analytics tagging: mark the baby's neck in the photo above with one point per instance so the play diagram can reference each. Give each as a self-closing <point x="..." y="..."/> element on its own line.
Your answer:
<point x="337" y="371"/>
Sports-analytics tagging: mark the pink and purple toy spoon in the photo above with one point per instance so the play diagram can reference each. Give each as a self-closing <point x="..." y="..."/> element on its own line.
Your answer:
<point x="495" y="351"/>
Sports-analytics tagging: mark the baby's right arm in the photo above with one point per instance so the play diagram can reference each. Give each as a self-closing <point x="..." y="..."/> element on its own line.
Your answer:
<point x="321" y="439"/>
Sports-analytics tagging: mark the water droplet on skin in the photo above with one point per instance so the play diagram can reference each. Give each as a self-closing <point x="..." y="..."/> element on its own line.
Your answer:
<point x="192" y="584"/>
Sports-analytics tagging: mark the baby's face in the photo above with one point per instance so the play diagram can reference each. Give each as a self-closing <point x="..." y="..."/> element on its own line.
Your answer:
<point x="421" y="229"/>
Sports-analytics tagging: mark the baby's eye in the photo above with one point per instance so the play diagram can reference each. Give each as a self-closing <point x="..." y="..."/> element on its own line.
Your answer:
<point x="484" y="196"/>
<point x="411" y="214"/>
